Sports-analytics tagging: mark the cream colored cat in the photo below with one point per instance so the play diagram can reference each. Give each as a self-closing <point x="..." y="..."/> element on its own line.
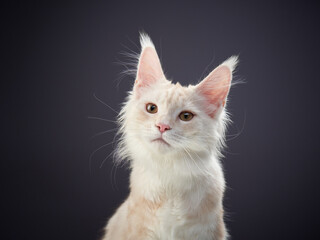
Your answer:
<point x="172" y="137"/>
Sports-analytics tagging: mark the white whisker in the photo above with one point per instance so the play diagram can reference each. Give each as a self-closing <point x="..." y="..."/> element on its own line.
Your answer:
<point x="102" y="119"/>
<point x="95" y="151"/>
<point x="99" y="100"/>
<point x="103" y="132"/>
<point x="234" y="136"/>
<point x="104" y="160"/>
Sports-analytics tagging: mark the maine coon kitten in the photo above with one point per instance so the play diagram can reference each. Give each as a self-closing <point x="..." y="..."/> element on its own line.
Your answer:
<point x="172" y="137"/>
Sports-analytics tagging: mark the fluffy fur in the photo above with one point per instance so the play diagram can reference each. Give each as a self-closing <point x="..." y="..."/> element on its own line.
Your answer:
<point x="176" y="185"/>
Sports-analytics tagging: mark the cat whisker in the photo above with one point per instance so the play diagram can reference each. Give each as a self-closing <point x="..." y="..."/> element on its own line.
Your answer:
<point x="104" y="160"/>
<point x="95" y="151"/>
<point x="240" y="132"/>
<point x="103" y="132"/>
<point x="113" y="176"/>
<point x="202" y="169"/>
<point x="187" y="164"/>
<point x="105" y="104"/>
<point x="185" y="149"/>
<point x="102" y="119"/>
<point x="204" y="137"/>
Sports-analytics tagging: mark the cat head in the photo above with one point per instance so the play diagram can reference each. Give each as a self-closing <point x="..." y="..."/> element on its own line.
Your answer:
<point x="162" y="118"/>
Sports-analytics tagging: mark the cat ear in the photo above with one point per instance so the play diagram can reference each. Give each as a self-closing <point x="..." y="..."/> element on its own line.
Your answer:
<point x="215" y="87"/>
<point x="149" y="67"/>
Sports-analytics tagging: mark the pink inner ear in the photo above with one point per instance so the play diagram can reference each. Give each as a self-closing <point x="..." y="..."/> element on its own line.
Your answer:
<point x="149" y="68"/>
<point x="215" y="88"/>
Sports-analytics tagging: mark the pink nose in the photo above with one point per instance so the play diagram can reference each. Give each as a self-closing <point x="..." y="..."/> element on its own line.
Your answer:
<point x="163" y="127"/>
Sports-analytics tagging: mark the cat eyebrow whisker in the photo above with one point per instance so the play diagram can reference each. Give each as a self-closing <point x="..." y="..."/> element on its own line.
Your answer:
<point x="99" y="100"/>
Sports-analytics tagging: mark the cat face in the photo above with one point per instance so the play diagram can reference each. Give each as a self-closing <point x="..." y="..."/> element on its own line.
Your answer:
<point x="167" y="118"/>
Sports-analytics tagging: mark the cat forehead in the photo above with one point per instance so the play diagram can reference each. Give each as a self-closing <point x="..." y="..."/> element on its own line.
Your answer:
<point x="170" y="92"/>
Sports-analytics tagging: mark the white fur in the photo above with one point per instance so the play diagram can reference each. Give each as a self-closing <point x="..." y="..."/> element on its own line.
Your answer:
<point x="145" y="41"/>
<point x="231" y="63"/>
<point x="180" y="176"/>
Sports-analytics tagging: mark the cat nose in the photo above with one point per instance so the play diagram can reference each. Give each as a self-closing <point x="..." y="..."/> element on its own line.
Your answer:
<point x="163" y="127"/>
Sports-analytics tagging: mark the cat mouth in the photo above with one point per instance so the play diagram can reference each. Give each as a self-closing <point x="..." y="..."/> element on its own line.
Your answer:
<point x="161" y="141"/>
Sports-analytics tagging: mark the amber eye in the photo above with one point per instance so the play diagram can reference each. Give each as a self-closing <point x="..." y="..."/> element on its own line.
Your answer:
<point x="186" y="116"/>
<point x="151" y="108"/>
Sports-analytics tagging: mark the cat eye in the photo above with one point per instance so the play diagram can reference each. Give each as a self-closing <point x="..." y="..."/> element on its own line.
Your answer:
<point x="151" y="108"/>
<point x="186" y="116"/>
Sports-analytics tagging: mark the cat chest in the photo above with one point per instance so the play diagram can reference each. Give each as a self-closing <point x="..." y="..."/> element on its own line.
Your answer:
<point x="176" y="220"/>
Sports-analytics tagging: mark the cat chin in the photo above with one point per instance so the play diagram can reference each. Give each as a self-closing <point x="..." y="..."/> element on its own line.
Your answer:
<point x="161" y="141"/>
<point x="161" y="146"/>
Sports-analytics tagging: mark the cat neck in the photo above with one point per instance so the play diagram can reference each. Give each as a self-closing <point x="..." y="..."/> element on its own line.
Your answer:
<point x="158" y="177"/>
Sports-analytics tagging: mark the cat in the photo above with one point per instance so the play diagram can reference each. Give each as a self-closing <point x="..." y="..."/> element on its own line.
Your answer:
<point x="172" y="137"/>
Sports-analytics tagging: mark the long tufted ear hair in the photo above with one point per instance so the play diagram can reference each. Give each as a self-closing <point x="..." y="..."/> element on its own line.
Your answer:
<point x="149" y="70"/>
<point x="215" y="87"/>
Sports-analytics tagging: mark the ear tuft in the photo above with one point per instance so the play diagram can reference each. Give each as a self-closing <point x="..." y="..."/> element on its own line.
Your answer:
<point x="149" y="70"/>
<point x="231" y="63"/>
<point x="145" y="41"/>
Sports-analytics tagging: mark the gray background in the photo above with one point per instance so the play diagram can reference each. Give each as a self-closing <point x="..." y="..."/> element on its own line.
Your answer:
<point x="57" y="55"/>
